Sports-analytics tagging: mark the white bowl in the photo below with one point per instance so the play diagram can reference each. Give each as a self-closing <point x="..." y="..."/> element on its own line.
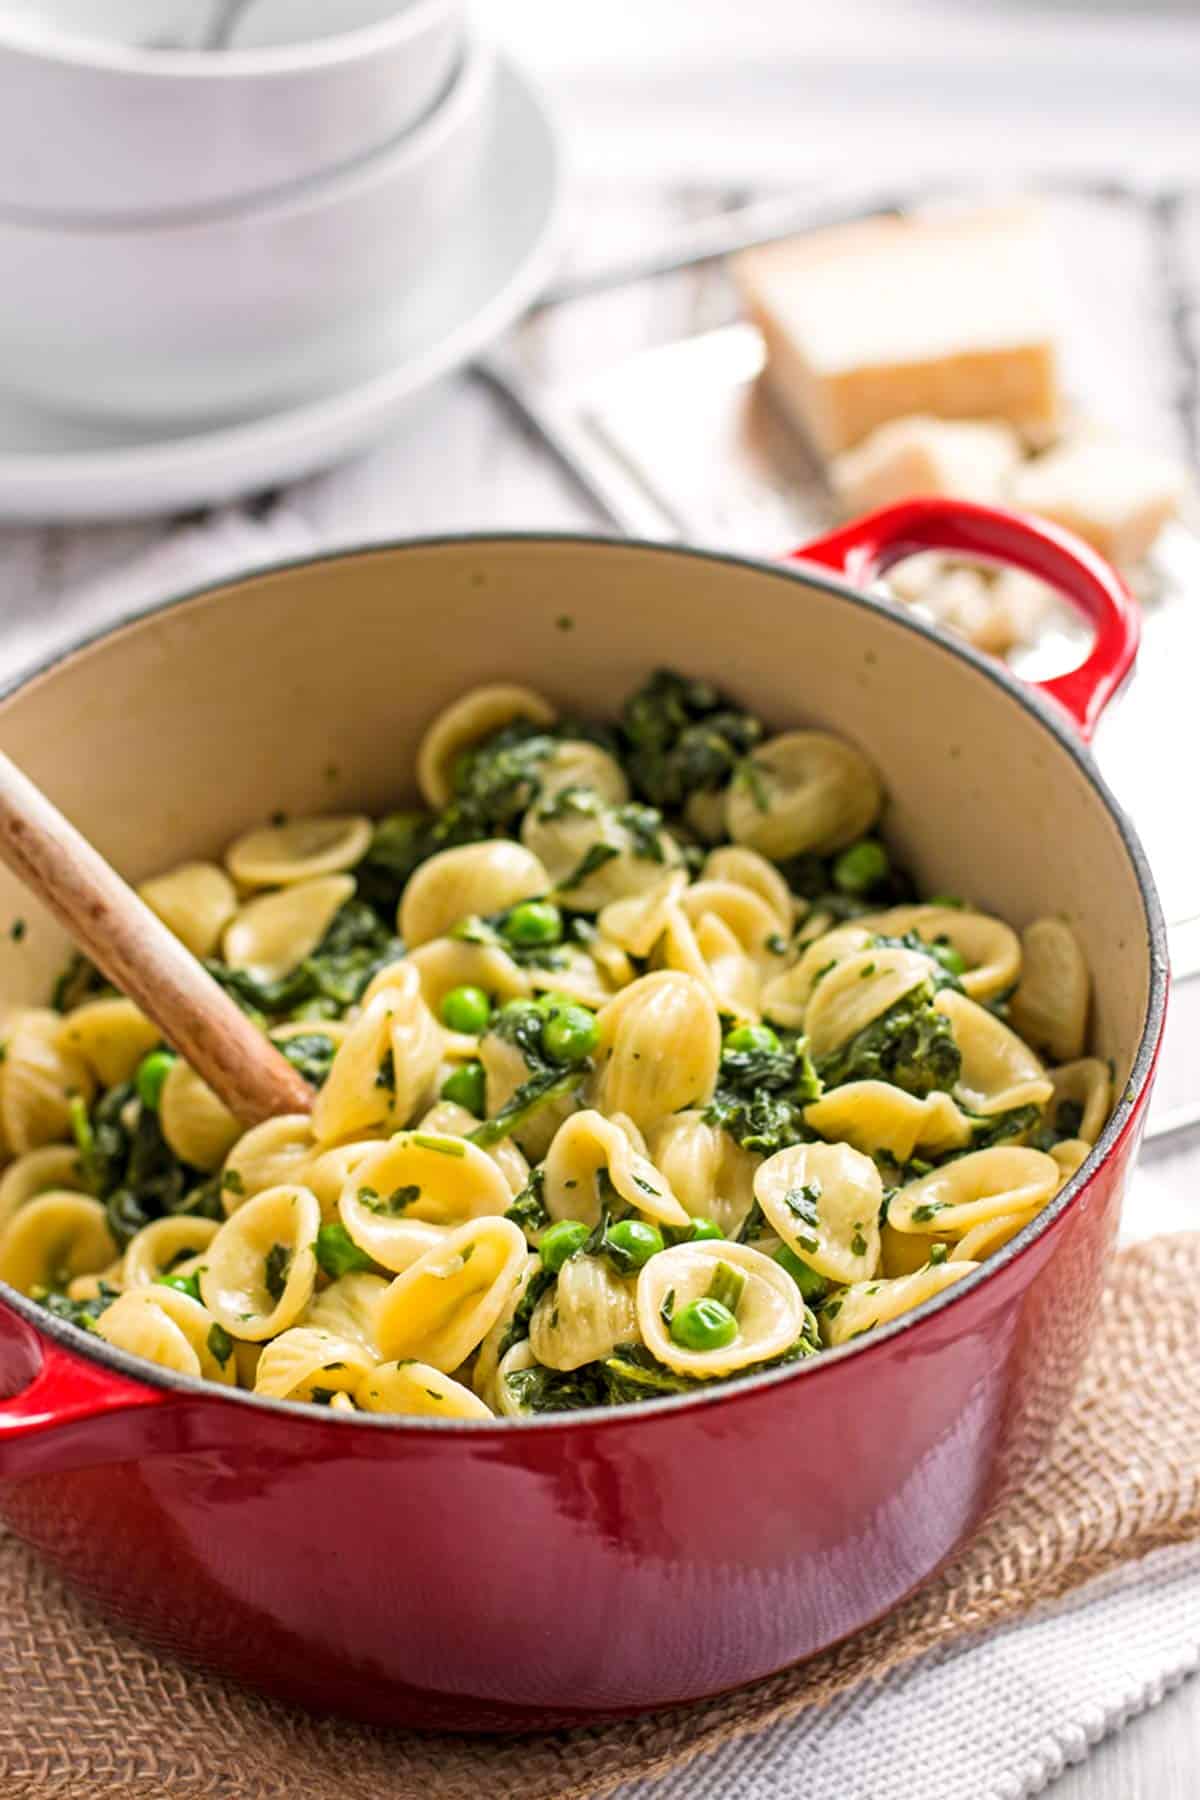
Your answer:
<point x="227" y="314"/>
<point x="100" y="125"/>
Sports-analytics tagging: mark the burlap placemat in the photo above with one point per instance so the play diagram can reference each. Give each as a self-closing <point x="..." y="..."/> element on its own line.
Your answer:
<point x="85" y="1712"/>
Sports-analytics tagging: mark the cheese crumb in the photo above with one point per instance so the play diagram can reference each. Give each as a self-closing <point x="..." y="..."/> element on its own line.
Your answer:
<point x="969" y="459"/>
<point x="1117" y="499"/>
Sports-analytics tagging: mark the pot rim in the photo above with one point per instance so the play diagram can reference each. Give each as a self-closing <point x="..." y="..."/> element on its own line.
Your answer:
<point x="1120" y="1123"/>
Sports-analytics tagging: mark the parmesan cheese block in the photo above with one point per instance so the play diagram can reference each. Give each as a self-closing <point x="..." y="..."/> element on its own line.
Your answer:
<point x="1116" y="498"/>
<point x="971" y="460"/>
<point x="949" y="315"/>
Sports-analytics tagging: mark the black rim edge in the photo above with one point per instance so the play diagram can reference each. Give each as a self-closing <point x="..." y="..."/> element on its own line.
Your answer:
<point x="1041" y="710"/>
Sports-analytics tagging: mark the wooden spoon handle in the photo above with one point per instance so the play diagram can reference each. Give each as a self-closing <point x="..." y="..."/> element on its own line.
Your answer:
<point x="141" y="957"/>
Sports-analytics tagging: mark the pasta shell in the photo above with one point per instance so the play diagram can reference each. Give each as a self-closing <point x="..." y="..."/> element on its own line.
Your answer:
<point x="574" y="763"/>
<point x="111" y="1036"/>
<point x="474" y="880"/>
<point x="416" y="1390"/>
<point x="349" y="1308"/>
<point x="745" y="868"/>
<point x="442" y="1307"/>
<point x="999" y="1071"/>
<point x="467" y="721"/>
<point x="636" y="923"/>
<point x="446" y="963"/>
<point x="770" y="1312"/>
<point x="1070" y="1156"/>
<point x="879" y="1119"/>
<point x="394" y="1243"/>
<point x="711" y="953"/>
<point x="747" y="917"/>
<point x="200" y="1129"/>
<point x="563" y="840"/>
<point x="824" y="1201"/>
<point x="585" y="1148"/>
<point x="447" y="1119"/>
<point x="53" y="1238"/>
<point x="261" y="1267"/>
<point x="710" y="1174"/>
<point x="38" y="1172"/>
<point x="803" y="791"/>
<point x="38" y="1079"/>
<point x="272" y="933"/>
<point x="1085" y="1084"/>
<point x="989" y="947"/>
<point x="785" y="998"/>
<point x="306" y="1362"/>
<point x="903" y="1253"/>
<point x="327" y="1174"/>
<point x="157" y="1248"/>
<point x="213" y="1352"/>
<point x="484" y="1376"/>
<point x="299" y="850"/>
<point x="991" y="1235"/>
<point x="659" y="1048"/>
<point x="857" y="991"/>
<point x="985" y="1184"/>
<point x="577" y="974"/>
<point x="135" y="1325"/>
<point x="870" y="1303"/>
<point x="384" y="1072"/>
<point x="439" y="1180"/>
<point x="277" y="1151"/>
<point x="194" y="901"/>
<point x="584" y="1316"/>
<point x="1050" y="1005"/>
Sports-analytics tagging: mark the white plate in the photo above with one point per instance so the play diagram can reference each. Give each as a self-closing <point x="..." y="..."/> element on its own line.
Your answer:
<point x="58" y="468"/>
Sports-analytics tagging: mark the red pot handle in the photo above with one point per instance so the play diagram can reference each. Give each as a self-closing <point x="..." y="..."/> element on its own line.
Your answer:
<point x="66" y="1390"/>
<point x="864" y="549"/>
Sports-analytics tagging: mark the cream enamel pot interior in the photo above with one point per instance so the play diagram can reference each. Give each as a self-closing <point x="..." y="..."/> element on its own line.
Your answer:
<point x="479" y="1576"/>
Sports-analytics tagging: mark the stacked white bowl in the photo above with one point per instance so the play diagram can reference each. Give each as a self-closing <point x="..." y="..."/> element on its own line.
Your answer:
<point x="211" y="208"/>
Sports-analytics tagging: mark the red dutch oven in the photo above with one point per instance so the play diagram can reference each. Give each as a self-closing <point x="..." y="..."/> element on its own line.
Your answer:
<point x="477" y="1576"/>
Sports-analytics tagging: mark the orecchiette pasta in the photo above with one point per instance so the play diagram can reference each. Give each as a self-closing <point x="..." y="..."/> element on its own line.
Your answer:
<point x="804" y="791"/>
<point x="471" y="719"/>
<point x="273" y="932"/>
<point x="196" y="901"/>
<point x="475" y="880"/>
<point x="261" y="1267"/>
<point x="111" y="1036"/>
<point x="658" y="1049"/>
<point x="299" y="850"/>
<point x="636" y="1065"/>
<point x="768" y="1311"/>
<point x="590" y="1311"/>
<point x="443" y="1307"/>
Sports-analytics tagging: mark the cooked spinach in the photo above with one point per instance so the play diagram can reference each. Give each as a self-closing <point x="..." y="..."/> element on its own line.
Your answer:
<point x="83" y="1313"/>
<point x="761" y="1095"/>
<point x="682" y="737"/>
<point x="528" y="1209"/>
<point x="911" y="1045"/>
<point x="356" y="946"/>
<point x="310" y="1054"/>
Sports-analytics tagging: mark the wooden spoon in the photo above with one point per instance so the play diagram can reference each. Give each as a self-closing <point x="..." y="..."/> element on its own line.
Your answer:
<point x="141" y="957"/>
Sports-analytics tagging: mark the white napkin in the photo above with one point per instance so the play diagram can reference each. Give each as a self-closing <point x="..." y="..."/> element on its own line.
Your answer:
<point x="996" y="1720"/>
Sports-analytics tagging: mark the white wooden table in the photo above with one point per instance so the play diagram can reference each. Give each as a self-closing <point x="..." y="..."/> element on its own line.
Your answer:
<point x="674" y="110"/>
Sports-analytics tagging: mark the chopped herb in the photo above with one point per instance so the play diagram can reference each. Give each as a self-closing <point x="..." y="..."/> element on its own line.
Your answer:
<point x="386" y="1074"/>
<point x="17" y="930"/>
<point x="398" y="1201"/>
<point x="938" y="1253"/>
<point x="727" y="1286"/>
<point x="337" y="1253"/>
<point x="592" y="859"/>
<point x="666" y="1311"/>
<point x="220" y="1344"/>
<point x="858" y="1243"/>
<point x="445" y="1146"/>
<point x="232" y="1182"/>
<point x="528" y="1209"/>
<point x="927" y="1211"/>
<point x="777" y="944"/>
<point x="276" y="1265"/>
<point x="645" y="827"/>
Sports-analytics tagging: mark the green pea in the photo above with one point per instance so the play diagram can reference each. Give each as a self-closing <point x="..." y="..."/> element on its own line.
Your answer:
<point x="812" y="1286"/>
<point x="950" y="958"/>
<point x="467" y="1086"/>
<point x="152" y="1073"/>
<point x="634" y="1241"/>
<point x="532" y="923"/>
<point x="466" y="1009"/>
<point x="570" y="1035"/>
<point x="705" y="1228"/>
<point x="184" y="1284"/>
<point x="860" y="868"/>
<point x="560" y="1242"/>
<point x="703" y="1325"/>
<point x="753" y="1037"/>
